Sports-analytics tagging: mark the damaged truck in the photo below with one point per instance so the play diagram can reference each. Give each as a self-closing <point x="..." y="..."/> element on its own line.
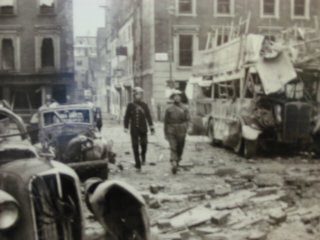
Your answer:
<point x="257" y="98"/>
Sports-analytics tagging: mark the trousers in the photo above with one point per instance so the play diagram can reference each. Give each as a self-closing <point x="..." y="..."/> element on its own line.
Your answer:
<point x="139" y="140"/>
<point x="176" y="147"/>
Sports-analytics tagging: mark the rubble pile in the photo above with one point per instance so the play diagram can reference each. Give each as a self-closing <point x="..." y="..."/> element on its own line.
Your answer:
<point x="250" y="204"/>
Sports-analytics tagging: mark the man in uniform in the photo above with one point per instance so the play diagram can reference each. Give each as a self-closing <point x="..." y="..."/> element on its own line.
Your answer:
<point x="138" y="117"/>
<point x="176" y="122"/>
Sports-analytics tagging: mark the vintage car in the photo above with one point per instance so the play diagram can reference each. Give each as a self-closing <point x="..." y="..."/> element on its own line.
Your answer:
<point x="40" y="199"/>
<point x="71" y="133"/>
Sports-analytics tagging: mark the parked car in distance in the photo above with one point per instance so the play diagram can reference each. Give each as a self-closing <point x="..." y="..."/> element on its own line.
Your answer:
<point x="71" y="132"/>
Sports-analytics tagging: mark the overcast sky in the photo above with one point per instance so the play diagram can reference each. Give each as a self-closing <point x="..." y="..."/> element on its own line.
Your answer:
<point x="88" y="16"/>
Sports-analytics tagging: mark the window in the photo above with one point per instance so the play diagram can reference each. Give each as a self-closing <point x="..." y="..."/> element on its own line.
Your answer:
<point x="46" y="6"/>
<point x="79" y="63"/>
<point x="185" y="50"/>
<point x="7" y="62"/>
<point x="269" y="8"/>
<point x="47" y="53"/>
<point x="222" y="39"/>
<point x="224" y="7"/>
<point x="300" y="8"/>
<point x="7" y="7"/>
<point x="185" y="6"/>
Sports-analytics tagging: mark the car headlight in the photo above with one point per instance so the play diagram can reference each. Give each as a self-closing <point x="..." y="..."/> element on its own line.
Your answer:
<point x="278" y="113"/>
<point x="9" y="211"/>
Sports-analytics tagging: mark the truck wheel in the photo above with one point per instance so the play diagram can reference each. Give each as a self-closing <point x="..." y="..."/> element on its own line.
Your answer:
<point x="239" y="147"/>
<point x="211" y="132"/>
<point x="249" y="148"/>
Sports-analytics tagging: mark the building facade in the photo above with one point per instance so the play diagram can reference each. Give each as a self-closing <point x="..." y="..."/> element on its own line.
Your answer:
<point x="36" y="52"/>
<point x="167" y="34"/>
<point x="85" y="54"/>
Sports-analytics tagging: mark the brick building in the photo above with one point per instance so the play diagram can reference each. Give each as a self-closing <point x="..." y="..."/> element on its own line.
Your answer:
<point x="36" y="52"/>
<point x="168" y="33"/>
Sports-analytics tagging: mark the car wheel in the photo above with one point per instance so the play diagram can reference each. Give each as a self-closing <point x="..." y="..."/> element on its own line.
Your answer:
<point x="250" y="148"/>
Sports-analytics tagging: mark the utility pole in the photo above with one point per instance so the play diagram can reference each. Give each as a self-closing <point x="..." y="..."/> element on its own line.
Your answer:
<point x="171" y="11"/>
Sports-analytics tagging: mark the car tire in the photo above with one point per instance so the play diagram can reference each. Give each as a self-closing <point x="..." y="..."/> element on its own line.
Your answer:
<point x="89" y="169"/>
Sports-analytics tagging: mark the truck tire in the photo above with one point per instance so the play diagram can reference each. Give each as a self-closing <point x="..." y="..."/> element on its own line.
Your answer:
<point x="211" y="132"/>
<point x="249" y="148"/>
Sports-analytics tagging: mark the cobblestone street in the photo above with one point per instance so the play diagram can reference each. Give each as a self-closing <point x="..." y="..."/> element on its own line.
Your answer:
<point x="219" y="195"/>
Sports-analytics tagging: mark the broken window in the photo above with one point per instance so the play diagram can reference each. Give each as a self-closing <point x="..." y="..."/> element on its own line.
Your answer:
<point x="6" y="7"/>
<point x="185" y="6"/>
<point x="269" y="7"/>
<point x="223" y="6"/>
<point x="185" y="50"/>
<point x="222" y="39"/>
<point x="299" y="8"/>
<point x="46" y="6"/>
<point x="47" y="53"/>
<point x="7" y="54"/>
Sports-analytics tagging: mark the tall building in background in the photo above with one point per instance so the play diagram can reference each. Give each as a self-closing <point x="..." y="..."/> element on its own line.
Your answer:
<point x="36" y="52"/>
<point x="158" y="40"/>
<point x="85" y="53"/>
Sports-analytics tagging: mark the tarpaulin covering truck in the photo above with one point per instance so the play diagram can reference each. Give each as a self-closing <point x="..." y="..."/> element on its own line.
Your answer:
<point x="257" y="98"/>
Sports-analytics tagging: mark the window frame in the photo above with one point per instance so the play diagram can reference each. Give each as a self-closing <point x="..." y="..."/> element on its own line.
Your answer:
<point x="276" y="10"/>
<point x="193" y="12"/>
<point x="179" y="49"/>
<point x="17" y="55"/>
<point x="47" y="14"/>
<point x="40" y="36"/>
<point x="306" y="15"/>
<point x="184" y="30"/>
<point x="14" y="11"/>
<point x="217" y="14"/>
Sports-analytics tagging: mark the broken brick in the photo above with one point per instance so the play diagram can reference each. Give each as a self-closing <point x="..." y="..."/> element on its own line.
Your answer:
<point x="163" y="223"/>
<point x="277" y="215"/>
<point x="257" y="235"/>
<point x="154" y="203"/>
<point x="220" y="217"/>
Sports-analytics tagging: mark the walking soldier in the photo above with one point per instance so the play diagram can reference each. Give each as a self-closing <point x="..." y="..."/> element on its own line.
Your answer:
<point x="138" y="117"/>
<point x="176" y="123"/>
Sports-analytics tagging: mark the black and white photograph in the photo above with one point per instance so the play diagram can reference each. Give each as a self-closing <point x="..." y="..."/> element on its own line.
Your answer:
<point x="159" y="119"/>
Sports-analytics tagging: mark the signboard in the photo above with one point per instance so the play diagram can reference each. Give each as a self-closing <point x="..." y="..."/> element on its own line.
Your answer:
<point x="162" y="57"/>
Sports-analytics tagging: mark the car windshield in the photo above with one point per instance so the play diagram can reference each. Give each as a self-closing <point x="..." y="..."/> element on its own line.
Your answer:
<point x="67" y="116"/>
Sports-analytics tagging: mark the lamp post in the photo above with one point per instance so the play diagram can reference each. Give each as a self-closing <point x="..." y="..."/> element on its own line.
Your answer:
<point x="171" y="11"/>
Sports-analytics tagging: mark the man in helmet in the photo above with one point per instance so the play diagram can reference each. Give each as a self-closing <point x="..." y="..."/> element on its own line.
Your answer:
<point x="138" y="117"/>
<point x="176" y="122"/>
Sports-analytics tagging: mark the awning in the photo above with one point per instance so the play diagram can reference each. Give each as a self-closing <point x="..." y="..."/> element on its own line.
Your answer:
<point x="275" y="73"/>
<point x="6" y="3"/>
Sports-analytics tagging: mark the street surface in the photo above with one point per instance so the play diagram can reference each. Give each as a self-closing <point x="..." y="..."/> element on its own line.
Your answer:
<point x="219" y="195"/>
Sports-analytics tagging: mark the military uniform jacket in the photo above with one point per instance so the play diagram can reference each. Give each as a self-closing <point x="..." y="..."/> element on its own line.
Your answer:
<point x="176" y="120"/>
<point x="138" y="117"/>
